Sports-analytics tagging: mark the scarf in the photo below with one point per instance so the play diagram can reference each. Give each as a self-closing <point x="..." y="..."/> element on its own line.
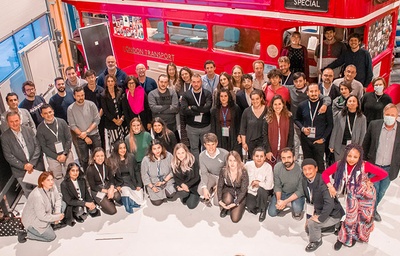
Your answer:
<point x="136" y="102"/>
<point x="274" y="129"/>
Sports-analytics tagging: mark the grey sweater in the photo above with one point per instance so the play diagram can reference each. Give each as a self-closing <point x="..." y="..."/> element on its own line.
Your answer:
<point x="286" y="181"/>
<point x="83" y="116"/>
<point x="211" y="165"/>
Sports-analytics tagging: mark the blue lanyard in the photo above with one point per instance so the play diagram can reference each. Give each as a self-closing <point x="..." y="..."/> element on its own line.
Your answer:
<point x="224" y="115"/>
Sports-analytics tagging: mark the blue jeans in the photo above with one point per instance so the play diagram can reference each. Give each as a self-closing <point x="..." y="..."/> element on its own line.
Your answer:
<point x="47" y="236"/>
<point x="297" y="205"/>
<point x="381" y="186"/>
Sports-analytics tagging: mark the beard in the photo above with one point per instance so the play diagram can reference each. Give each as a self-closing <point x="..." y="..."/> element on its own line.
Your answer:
<point x="288" y="164"/>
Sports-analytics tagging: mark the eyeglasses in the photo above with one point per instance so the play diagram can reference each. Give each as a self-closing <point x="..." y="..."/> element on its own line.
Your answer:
<point x="30" y="90"/>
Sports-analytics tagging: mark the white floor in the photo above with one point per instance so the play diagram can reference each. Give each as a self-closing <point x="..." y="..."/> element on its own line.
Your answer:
<point x="172" y="229"/>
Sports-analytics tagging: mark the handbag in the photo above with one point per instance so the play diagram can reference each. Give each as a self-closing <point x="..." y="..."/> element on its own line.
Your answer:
<point x="9" y="225"/>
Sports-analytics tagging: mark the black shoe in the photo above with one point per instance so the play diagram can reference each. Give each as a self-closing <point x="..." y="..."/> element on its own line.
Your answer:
<point x="73" y="223"/>
<point x="22" y="235"/>
<point x="377" y="217"/>
<point x="338" y="227"/>
<point x="58" y="226"/>
<point x="223" y="213"/>
<point x="263" y="215"/>
<point x="313" y="246"/>
<point x="337" y="245"/>
<point x="297" y="216"/>
<point x="79" y="219"/>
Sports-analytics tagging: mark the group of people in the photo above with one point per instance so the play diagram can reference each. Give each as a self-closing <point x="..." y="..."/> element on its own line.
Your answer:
<point x="250" y="127"/>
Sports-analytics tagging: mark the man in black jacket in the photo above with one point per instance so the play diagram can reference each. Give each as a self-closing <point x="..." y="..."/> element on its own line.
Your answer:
<point x="324" y="210"/>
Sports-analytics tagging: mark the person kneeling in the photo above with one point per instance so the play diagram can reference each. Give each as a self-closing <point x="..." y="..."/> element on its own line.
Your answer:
<point x="324" y="210"/>
<point x="42" y="210"/>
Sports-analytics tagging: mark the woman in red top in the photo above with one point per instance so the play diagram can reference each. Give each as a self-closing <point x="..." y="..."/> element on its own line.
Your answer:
<point x="352" y="179"/>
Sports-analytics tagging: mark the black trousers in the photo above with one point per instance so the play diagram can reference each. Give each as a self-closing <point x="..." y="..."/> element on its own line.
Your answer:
<point x="314" y="151"/>
<point x="259" y="202"/>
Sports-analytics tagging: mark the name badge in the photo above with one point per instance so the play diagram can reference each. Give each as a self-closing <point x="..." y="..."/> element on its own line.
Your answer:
<point x="198" y="118"/>
<point x="225" y="131"/>
<point x="313" y="131"/>
<point x="59" y="147"/>
<point x="348" y="142"/>
<point x="309" y="209"/>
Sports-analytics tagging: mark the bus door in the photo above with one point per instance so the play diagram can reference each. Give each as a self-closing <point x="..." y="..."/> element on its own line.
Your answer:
<point x="97" y="46"/>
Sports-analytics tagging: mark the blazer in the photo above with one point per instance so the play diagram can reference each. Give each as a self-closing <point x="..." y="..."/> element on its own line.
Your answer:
<point x="359" y="130"/>
<point x="108" y="106"/>
<point x="15" y="155"/>
<point x="38" y="211"/>
<point x="371" y="143"/>
<point x="324" y="205"/>
<point x="333" y="93"/>
<point x="71" y="198"/>
<point x="241" y="100"/>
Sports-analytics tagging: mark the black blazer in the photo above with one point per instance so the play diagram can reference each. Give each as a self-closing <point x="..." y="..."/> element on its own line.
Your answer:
<point x="334" y="92"/>
<point x="241" y="100"/>
<point x="190" y="178"/>
<point x="109" y="110"/>
<point x="324" y="205"/>
<point x="371" y="143"/>
<point x="70" y="197"/>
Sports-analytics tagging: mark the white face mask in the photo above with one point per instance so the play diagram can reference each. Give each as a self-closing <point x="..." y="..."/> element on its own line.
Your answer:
<point x="378" y="89"/>
<point x="389" y="120"/>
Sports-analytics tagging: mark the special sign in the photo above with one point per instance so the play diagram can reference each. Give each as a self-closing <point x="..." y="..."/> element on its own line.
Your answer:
<point x="310" y="5"/>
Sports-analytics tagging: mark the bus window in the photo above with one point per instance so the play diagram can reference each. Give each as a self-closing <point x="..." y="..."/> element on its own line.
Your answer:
<point x="379" y="35"/>
<point x="244" y="40"/>
<point x="155" y="30"/>
<point x="187" y="34"/>
<point x="127" y="26"/>
<point x="93" y="18"/>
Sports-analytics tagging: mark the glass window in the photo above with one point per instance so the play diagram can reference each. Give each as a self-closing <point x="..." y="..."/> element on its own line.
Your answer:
<point x="8" y="58"/>
<point x="93" y="18"/>
<point x="24" y="37"/>
<point x="379" y="35"/>
<point x="187" y="34"/>
<point x="41" y="27"/>
<point x="244" y="40"/>
<point x="155" y="30"/>
<point x="127" y="26"/>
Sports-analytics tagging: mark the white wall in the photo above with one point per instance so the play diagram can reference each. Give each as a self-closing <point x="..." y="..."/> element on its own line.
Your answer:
<point x="16" y="13"/>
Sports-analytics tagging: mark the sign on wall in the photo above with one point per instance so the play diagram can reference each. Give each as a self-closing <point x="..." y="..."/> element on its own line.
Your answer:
<point x="309" y="5"/>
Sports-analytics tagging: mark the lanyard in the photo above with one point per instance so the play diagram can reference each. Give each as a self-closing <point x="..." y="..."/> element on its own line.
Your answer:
<point x="197" y="101"/>
<point x="211" y="85"/>
<point x="287" y="78"/>
<point x="54" y="133"/>
<point x="233" y="185"/>
<point x="310" y="194"/>
<point x="186" y="86"/>
<point x="104" y="173"/>
<point x="51" y="201"/>
<point x="224" y="115"/>
<point x="351" y="127"/>
<point x="315" y="113"/>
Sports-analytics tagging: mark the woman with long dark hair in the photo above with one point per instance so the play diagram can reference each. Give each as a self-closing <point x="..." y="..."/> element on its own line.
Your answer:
<point x="160" y="131"/>
<point x="251" y="125"/>
<point x="157" y="174"/>
<point x="232" y="187"/>
<point x="225" y="121"/>
<point x="350" y="127"/>
<point x="278" y="129"/>
<point x="225" y="82"/>
<point x="102" y="183"/>
<point x="135" y="103"/>
<point x="352" y="179"/>
<point x="124" y="165"/>
<point x="112" y="109"/>
<point x="172" y="74"/>
<point x="76" y="195"/>
<point x="186" y="175"/>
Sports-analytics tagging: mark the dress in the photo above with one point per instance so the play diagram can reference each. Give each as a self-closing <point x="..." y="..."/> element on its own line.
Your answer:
<point x="360" y="201"/>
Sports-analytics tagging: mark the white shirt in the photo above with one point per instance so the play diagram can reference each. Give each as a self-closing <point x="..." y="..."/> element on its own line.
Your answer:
<point x="263" y="174"/>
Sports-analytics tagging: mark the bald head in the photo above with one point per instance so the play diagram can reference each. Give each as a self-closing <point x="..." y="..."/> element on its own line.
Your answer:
<point x="111" y="62"/>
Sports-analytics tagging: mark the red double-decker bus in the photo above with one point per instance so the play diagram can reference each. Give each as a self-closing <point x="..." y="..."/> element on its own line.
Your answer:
<point x="236" y="32"/>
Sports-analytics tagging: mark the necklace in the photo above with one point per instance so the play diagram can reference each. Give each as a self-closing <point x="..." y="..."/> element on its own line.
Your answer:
<point x="377" y="99"/>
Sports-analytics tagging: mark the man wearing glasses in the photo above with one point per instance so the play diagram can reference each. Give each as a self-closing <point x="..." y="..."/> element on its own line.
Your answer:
<point x="32" y="102"/>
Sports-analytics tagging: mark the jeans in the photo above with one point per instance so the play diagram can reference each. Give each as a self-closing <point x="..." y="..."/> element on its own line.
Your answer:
<point x="381" y="186"/>
<point x="83" y="149"/>
<point x="297" y="205"/>
<point x="47" y="236"/>
<point x="195" y="135"/>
